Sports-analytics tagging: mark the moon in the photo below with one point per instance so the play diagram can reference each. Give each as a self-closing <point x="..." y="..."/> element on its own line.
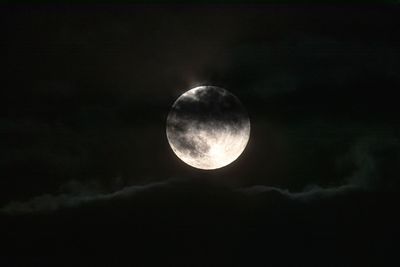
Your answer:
<point x="207" y="127"/>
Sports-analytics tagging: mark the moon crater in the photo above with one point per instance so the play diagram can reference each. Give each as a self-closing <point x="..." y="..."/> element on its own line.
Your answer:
<point x="208" y="127"/>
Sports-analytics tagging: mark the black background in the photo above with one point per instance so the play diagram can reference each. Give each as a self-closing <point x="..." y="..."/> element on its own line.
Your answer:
<point x="84" y="99"/>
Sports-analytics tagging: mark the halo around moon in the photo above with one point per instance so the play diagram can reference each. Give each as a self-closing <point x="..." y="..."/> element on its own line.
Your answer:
<point x="207" y="127"/>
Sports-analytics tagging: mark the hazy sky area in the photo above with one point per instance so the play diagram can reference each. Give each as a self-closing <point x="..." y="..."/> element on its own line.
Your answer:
<point x="87" y="173"/>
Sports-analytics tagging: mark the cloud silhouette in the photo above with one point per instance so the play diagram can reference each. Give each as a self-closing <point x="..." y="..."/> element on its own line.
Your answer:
<point x="374" y="162"/>
<point x="52" y="202"/>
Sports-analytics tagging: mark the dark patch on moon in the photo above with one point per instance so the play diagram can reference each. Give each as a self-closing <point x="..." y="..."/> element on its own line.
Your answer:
<point x="207" y="108"/>
<point x="210" y="104"/>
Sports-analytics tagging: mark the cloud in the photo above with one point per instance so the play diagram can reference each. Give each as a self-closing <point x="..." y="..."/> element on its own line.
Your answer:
<point x="375" y="168"/>
<point x="374" y="161"/>
<point x="310" y="193"/>
<point x="52" y="202"/>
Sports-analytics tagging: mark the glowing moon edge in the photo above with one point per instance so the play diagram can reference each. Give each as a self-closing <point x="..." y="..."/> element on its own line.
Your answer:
<point x="208" y="127"/>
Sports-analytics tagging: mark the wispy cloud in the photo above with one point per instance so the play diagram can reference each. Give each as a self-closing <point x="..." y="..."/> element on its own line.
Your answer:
<point x="310" y="193"/>
<point x="52" y="202"/>
<point x="366" y="154"/>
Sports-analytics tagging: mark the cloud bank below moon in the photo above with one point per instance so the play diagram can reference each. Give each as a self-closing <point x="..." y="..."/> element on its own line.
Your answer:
<point x="368" y="155"/>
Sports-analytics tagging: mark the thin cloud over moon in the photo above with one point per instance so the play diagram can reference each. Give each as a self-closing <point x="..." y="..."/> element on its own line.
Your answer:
<point x="207" y="127"/>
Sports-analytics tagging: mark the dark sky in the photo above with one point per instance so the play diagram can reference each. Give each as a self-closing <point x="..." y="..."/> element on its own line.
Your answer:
<point x="87" y="175"/>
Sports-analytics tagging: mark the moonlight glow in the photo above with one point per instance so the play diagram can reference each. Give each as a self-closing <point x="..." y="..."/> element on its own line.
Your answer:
<point x="207" y="127"/>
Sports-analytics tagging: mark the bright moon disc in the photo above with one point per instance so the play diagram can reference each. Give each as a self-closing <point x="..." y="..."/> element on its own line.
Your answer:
<point x="208" y="128"/>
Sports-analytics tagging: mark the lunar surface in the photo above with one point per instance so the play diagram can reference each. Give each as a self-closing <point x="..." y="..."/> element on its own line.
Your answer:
<point x="207" y="127"/>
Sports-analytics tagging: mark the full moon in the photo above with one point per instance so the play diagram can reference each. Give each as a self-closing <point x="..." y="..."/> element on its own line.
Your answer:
<point x="207" y="127"/>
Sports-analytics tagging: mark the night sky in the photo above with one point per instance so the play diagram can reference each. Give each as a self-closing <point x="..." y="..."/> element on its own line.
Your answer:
<point x="87" y="175"/>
